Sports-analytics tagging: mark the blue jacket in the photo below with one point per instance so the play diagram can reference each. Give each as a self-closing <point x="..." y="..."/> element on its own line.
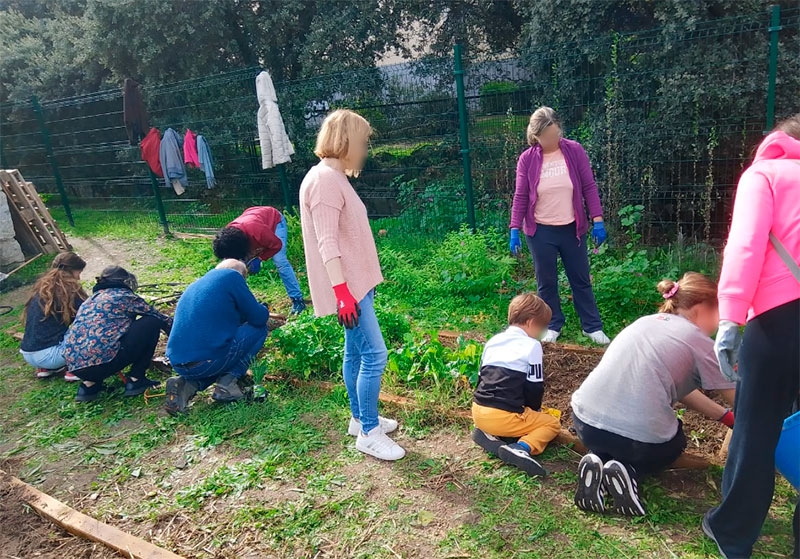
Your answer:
<point x="171" y="157"/>
<point x="206" y="163"/>
<point x="208" y="315"/>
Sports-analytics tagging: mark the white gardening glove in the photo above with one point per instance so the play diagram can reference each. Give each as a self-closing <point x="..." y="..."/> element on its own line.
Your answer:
<point x="729" y="338"/>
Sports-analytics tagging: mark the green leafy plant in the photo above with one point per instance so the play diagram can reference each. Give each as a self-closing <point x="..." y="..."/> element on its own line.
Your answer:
<point x="307" y="347"/>
<point x="423" y="361"/>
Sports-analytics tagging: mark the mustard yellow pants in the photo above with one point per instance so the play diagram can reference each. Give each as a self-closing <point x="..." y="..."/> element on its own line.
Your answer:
<point x="531" y="427"/>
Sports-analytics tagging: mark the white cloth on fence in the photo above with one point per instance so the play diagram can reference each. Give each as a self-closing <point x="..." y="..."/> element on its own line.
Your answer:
<point x="275" y="145"/>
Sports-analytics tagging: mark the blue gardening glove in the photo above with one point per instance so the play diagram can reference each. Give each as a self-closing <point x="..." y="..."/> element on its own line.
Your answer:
<point x="599" y="234"/>
<point x="515" y="244"/>
<point x="726" y="346"/>
<point x="254" y="266"/>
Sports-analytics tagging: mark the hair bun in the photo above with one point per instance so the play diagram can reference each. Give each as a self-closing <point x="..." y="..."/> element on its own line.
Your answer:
<point x="665" y="286"/>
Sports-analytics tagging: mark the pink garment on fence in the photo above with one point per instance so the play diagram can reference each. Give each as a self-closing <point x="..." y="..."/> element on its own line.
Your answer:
<point x="190" y="156"/>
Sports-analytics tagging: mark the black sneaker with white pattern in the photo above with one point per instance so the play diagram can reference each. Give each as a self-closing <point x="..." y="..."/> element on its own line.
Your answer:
<point x="590" y="494"/>
<point x="621" y="485"/>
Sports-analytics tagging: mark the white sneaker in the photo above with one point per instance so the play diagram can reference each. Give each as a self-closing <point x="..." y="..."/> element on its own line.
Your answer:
<point x="386" y="424"/>
<point x="377" y="444"/>
<point x="551" y="337"/>
<point x="597" y="337"/>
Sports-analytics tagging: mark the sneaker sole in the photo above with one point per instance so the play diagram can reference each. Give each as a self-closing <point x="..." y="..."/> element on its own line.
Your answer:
<point x="489" y="443"/>
<point x="172" y="404"/>
<point x="529" y="466"/>
<point x="589" y="495"/>
<point x="621" y="487"/>
<point x="87" y="398"/>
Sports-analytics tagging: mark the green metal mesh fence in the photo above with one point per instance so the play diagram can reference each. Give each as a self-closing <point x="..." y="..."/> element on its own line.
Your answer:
<point x="664" y="126"/>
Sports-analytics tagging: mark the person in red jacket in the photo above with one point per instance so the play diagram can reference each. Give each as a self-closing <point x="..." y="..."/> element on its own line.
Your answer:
<point x="259" y="234"/>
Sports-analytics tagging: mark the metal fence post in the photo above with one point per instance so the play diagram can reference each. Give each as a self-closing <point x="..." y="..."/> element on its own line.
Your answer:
<point x="774" y="28"/>
<point x="37" y="109"/>
<point x="463" y="132"/>
<point x="287" y="199"/>
<point x="162" y="215"/>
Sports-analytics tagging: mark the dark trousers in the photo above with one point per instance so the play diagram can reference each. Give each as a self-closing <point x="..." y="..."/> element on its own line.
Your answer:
<point x="769" y="364"/>
<point x="137" y="347"/>
<point x="644" y="458"/>
<point x="243" y="349"/>
<point x="546" y="245"/>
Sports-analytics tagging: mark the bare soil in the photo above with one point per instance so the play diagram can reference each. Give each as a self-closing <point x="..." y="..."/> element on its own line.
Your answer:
<point x="23" y="534"/>
<point x="566" y="369"/>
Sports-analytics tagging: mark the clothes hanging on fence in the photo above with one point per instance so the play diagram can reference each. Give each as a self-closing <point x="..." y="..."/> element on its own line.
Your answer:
<point x="206" y="162"/>
<point x="134" y="114"/>
<point x="150" y="147"/>
<point x="190" y="149"/>
<point x="275" y="145"/>
<point x="171" y="158"/>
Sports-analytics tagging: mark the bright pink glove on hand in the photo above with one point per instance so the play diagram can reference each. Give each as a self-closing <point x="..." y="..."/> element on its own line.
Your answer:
<point x="347" y="306"/>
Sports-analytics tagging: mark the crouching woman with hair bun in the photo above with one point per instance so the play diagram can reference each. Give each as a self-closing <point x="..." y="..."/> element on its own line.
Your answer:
<point x="623" y="412"/>
<point x="114" y="328"/>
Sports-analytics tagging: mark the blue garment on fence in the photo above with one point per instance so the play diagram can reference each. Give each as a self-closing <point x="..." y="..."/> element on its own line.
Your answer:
<point x="171" y="156"/>
<point x="209" y="314"/>
<point x="206" y="162"/>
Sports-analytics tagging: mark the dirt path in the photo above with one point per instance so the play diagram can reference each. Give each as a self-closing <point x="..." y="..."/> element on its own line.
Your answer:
<point x="134" y="255"/>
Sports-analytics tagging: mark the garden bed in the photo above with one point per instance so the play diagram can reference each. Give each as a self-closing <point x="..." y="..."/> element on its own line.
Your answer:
<point x="566" y="366"/>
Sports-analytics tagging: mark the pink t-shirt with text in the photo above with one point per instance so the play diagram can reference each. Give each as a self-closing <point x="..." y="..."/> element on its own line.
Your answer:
<point x="554" y="205"/>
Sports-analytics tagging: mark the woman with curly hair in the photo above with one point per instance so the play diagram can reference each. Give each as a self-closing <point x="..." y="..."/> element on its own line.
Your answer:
<point x="50" y="309"/>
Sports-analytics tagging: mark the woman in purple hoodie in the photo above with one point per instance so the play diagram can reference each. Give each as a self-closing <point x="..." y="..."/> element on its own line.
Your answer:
<point x="555" y="185"/>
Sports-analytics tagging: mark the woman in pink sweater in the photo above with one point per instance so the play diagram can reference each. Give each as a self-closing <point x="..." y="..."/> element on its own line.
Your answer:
<point x="757" y="287"/>
<point x="343" y="270"/>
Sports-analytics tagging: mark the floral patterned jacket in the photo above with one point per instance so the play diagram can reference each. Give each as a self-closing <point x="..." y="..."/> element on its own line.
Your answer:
<point x="94" y="337"/>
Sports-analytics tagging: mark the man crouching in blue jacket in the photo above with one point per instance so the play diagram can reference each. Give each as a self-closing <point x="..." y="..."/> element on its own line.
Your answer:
<point x="218" y="330"/>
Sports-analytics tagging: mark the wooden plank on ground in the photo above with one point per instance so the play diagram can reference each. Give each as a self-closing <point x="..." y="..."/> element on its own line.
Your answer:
<point x="84" y="526"/>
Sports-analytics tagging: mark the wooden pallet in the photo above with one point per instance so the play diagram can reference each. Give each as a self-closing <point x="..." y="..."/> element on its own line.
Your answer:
<point x="33" y="223"/>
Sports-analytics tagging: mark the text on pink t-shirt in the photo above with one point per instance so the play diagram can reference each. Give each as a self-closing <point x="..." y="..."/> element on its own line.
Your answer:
<point x="554" y="203"/>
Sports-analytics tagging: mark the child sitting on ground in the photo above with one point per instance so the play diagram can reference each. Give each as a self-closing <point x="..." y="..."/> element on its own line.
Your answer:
<point x="508" y="398"/>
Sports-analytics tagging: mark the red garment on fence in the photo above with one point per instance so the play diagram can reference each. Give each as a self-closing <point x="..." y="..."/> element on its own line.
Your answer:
<point x="190" y="156"/>
<point x="150" y="146"/>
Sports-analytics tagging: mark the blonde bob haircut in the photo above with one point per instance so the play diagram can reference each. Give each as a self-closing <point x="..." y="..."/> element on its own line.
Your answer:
<point x="340" y="130"/>
<point x="540" y="120"/>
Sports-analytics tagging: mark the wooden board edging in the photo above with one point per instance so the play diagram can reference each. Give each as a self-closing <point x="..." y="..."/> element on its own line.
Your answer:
<point x="81" y="525"/>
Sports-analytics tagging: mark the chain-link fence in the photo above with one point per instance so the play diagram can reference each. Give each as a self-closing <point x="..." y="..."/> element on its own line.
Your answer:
<point x="669" y="118"/>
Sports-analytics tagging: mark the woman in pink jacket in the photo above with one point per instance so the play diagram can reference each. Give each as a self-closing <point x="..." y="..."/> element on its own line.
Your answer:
<point x="757" y="287"/>
<point x="555" y="187"/>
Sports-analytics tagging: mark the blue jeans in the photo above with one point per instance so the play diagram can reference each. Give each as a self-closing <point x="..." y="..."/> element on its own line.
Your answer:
<point x="243" y="349"/>
<point x="282" y="264"/>
<point x="365" y="358"/>
<point x="769" y="361"/>
<point x="545" y="245"/>
<point x="48" y="358"/>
